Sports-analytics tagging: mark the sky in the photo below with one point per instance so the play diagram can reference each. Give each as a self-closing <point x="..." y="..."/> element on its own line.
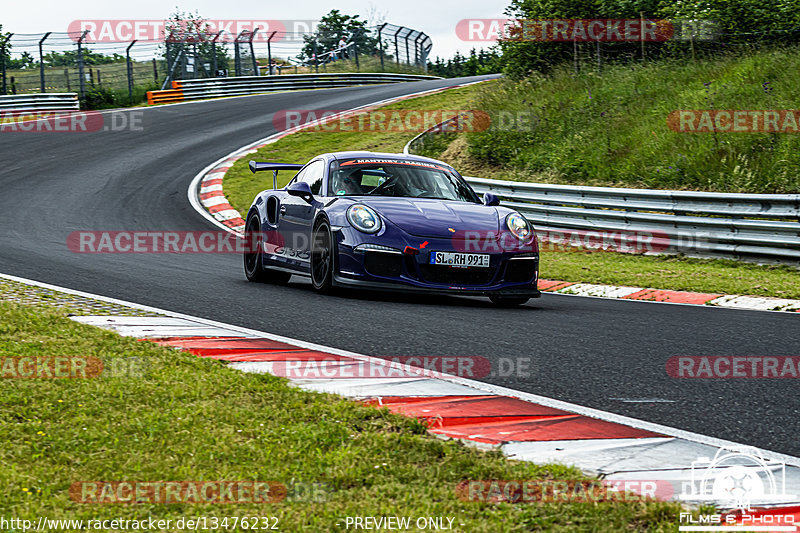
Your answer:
<point x="436" y="18"/>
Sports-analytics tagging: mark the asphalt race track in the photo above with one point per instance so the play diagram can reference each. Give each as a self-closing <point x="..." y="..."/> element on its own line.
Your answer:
<point x="589" y="351"/>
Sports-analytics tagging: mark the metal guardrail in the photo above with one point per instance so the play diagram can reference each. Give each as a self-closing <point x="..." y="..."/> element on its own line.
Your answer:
<point x="744" y="226"/>
<point x="40" y="101"/>
<point x="220" y="87"/>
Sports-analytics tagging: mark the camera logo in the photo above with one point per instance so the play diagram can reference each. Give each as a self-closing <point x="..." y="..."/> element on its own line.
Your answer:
<point x="736" y="478"/>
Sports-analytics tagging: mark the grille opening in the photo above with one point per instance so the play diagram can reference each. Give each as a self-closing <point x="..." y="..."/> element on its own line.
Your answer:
<point x="520" y="271"/>
<point x="457" y="276"/>
<point x="383" y="264"/>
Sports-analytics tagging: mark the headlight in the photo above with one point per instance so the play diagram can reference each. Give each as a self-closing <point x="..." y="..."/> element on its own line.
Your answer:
<point x="517" y="225"/>
<point x="364" y="218"/>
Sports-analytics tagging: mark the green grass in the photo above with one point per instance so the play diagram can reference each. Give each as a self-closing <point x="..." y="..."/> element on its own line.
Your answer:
<point x="187" y="418"/>
<point x="662" y="272"/>
<point x="610" y="128"/>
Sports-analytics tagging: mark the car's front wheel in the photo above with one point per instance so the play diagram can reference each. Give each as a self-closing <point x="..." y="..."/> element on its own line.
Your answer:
<point x="322" y="258"/>
<point x="508" y="301"/>
<point x="253" y="265"/>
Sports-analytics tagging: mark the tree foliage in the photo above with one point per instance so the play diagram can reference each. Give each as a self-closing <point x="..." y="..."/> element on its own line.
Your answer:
<point x="477" y="63"/>
<point x="332" y="28"/>
<point x="737" y="21"/>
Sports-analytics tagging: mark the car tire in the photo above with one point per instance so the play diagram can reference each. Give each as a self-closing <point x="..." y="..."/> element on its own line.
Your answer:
<point x="508" y="301"/>
<point x="323" y="258"/>
<point x="253" y="266"/>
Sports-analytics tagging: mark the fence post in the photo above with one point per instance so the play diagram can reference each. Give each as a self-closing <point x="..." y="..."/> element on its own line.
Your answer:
<point x="3" y="52"/>
<point x="66" y="78"/>
<point x="408" y="54"/>
<point x="316" y="63"/>
<point x="397" y="45"/>
<point x="598" y="54"/>
<point x="155" y="71"/>
<point x="81" y="75"/>
<point x="253" y="53"/>
<point x="214" y="51"/>
<point x="380" y="42"/>
<point x="41" y="60"/>
<point x="269" y="53"/>
<point x="130" y="71"/>
<point x="641" y="32"/>
<point x="355" y="50"/>
<point x="237" y="58"/>
<point x="418" y="50"/>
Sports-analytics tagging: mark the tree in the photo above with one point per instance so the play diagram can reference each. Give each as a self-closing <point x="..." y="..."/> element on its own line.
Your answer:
<point x="332" y="28"/>
<point x="189" y="31"/>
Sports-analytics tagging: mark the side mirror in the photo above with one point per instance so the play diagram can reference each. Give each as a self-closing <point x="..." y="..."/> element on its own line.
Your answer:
<point x="490" y="199"/>
<point x="301" y="189"/>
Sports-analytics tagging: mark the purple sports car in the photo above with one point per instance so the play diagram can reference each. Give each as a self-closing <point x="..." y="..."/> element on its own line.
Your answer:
<point x="389" y="222"/>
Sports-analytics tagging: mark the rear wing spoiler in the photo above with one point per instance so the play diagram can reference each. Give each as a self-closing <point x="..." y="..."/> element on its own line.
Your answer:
<point x="274" y="167"/>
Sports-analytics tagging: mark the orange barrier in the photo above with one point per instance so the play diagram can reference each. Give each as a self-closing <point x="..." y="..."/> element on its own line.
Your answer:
<point x="164" y="97"/>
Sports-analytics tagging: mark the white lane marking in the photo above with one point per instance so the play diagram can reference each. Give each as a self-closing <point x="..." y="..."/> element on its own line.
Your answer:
<point x="485" y="387"/>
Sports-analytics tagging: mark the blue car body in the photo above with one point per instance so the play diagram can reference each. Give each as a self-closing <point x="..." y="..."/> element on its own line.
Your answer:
<point x="401" y="254"/>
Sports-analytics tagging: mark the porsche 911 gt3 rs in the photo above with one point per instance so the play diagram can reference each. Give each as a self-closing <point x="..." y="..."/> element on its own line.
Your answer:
<point x="389" y="222"/>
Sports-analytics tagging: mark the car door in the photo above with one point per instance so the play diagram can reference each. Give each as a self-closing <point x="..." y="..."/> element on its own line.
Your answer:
<point x="297" y="215"/>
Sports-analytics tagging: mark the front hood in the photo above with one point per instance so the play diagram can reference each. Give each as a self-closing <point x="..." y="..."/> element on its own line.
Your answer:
<point x="423" y="217"/>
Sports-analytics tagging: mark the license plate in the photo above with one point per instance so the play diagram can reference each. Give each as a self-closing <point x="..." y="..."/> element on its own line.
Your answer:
<point x="460" y="260"/>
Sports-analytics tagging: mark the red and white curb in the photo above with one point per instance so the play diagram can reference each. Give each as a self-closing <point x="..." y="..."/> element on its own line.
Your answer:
<point x="757" y="303"/>
<point x="205" y="191"/>
<point x="524" y="426"/>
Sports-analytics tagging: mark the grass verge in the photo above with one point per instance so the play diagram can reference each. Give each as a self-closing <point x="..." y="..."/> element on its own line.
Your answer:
<point x="662" y="272"/>
<point x="187" y="418"/>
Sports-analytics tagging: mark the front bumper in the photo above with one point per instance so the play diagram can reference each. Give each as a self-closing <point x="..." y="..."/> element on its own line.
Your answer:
<point x="510" y="274"/>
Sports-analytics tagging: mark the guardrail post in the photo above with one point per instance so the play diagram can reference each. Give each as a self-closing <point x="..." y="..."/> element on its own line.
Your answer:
<point x="41" y="60"/>
<point x="130" y="71"/>
<point x="269" y="53"/>
<point x="380" y="42"/>
<point x="253" y="52"/>
<point x="3" y="52"/>
<point x="82" y="79"/>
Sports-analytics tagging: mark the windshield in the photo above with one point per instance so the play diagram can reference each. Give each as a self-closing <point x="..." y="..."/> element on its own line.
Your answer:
<point x="387" y="177"/>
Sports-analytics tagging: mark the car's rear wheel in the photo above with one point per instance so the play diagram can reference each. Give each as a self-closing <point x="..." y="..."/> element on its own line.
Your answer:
<point x="322" y="258"/>
<point x="253" y="265"/>
<point x="508" y="301"/>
